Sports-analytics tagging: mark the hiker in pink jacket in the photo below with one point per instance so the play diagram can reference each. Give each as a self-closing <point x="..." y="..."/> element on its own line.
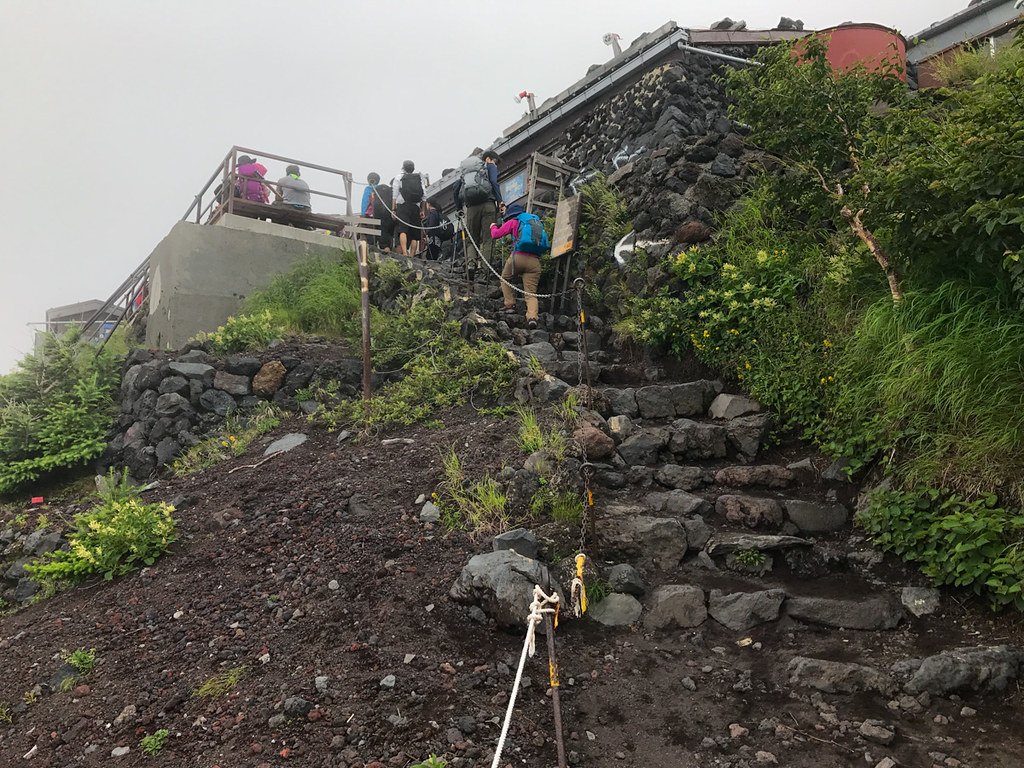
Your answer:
<point x="250" y="182"/>
<point x="519" y="263"/>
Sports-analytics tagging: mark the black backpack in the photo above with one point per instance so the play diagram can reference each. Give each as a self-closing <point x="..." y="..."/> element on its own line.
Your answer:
<point x="446" y="229"/>
<point x="412" y="188"/>
<point x="382" y="202"/>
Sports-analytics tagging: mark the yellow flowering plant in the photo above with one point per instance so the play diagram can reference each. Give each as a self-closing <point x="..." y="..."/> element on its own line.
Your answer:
<point x="111" y="540"/>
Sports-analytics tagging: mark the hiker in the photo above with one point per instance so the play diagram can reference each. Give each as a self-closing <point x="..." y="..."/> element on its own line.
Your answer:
<point x="433" y="231"/>
<point x="372" y="180"/>
<point x="379" y="207"/>
<point x="250" y="182"/>
<point x="477" y="189"/>
<point x="529" y="242"/>
<point x="407" y="194"/>
<point x="292" y="190"/>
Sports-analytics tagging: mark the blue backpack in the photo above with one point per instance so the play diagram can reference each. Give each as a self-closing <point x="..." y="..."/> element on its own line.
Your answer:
<point x="532" y="238"/>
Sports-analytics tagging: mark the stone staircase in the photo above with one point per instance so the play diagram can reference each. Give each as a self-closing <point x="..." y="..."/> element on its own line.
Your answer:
<point x="697" y="514"/>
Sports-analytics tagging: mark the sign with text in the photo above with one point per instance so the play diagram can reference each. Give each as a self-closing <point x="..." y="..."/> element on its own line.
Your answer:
<point x="567" y="223"/>
<point x="514" y="188"/>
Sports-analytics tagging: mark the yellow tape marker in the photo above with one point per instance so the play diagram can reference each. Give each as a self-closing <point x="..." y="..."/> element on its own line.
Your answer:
<point x="553" y="673"/>
<point x="590" y="498"/>
<point x="580" y="559"/>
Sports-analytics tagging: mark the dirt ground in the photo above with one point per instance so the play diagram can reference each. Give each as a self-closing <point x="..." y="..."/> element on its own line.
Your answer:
<point x="314" y="573"/>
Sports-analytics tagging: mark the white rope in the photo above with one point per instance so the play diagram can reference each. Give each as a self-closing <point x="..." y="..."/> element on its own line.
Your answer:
<point x="537" y="610"/>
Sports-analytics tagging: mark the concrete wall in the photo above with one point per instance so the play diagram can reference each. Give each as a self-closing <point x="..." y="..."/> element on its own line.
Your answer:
<point x="199" y="275"/>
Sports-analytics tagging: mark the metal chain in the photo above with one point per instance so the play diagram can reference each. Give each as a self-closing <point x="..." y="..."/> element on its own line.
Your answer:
<point x="395" y="216"/>
<point x="587" y="468"/>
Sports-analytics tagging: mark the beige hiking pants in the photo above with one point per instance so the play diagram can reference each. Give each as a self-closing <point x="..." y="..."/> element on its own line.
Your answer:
<point x="528" y="266"/>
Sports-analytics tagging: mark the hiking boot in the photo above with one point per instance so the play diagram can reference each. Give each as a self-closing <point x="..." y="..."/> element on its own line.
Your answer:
<point x="508" y="309"/>
<point x="531" y="324"/>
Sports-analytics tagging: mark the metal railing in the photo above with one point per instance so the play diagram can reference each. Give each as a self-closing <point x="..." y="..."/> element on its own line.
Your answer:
<point x="212" y="202"/>
<point x="207" y="207"/>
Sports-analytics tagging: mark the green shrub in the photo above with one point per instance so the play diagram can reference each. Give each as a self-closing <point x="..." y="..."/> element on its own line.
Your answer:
<point x="321" y="295"/>
<point x="111" y="540"/>
<point x="153" y="743"/>
<point x="82" y="660"/>
<point x="441" y="369"/>
<point x="478" y="507"/>
<point x="55" y="409"/>
<point x="242" y="333"/>
<point x="973" y="544"/>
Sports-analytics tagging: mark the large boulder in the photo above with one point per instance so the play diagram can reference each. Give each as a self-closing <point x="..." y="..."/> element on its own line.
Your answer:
<point x="683" y="478"/>
<point x="870" y="613"/>
<point x="676" y="605"/>
<point x="981" y="668"/>
<point x="268" y="379"/>
<point x="620" y="402"/>
<point x="660" y="541"/>
<point x="742" y="610"/>
<point x="655" y="402"/>
<point x="838" y="677"/>
<point x="501" y="583"/>
<point x="616" y="610"/>
<point x="748" y="433"/>
<point x="596" y="443"/>
<point x="696" y="440"/>
<point x="731" y="406"/>
<point x="643" y="448"/>
<point x="751" y="511"/>
<point x="232" y="383"/>
<point x="676" y="502"/>
<point x="812" y="517"/>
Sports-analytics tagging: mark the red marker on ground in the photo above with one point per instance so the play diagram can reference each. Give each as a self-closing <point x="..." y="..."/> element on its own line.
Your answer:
<point x="37" y="499"/>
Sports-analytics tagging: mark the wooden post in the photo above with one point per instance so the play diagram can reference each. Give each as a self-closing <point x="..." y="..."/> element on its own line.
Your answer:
<point x="364" y="284"/>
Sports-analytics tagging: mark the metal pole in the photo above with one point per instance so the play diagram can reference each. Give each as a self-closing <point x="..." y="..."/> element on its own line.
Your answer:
<point x="556" y="704"/>
<point x="717" y="55"/>
<point x="364" y="284"/>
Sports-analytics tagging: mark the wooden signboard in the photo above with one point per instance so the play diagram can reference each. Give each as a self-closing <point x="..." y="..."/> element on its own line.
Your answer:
<point x="567" y="223"/>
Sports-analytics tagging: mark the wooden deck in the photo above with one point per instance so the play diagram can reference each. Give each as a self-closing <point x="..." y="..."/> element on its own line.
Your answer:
<point x="287" y="215"/>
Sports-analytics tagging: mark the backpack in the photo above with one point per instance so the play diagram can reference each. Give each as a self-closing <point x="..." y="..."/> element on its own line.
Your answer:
<point x="380" y="202"/>
<point x="531" y="238"/>
<point x="412" y="188"/>
<point x="445" y="230"/>
<point x="476" y="184"/>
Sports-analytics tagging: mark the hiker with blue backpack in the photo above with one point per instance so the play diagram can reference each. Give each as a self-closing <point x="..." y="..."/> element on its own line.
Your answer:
<point x="529" y="243"/>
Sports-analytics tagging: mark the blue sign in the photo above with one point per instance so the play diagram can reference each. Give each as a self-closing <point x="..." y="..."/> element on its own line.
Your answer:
<point x="514" y="188"/>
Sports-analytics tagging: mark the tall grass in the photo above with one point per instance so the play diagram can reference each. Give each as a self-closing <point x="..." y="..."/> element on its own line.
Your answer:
<point x="941" y="380"/>
<point x="318" y="296"/>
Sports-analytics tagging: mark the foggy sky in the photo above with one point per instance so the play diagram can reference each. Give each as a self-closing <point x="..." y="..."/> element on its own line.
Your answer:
<point x="113" y="113"/>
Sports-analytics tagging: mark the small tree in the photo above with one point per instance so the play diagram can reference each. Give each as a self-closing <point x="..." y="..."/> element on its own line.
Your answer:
<point x="826" y="125"/>
<point x="54" y="409"/>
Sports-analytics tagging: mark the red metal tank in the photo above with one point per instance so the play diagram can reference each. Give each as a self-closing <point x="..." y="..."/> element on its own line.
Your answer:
<point x="867" y="44"/>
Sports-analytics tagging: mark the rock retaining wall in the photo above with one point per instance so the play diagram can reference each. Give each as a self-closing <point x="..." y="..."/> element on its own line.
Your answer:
<point x="169" y="402"/>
